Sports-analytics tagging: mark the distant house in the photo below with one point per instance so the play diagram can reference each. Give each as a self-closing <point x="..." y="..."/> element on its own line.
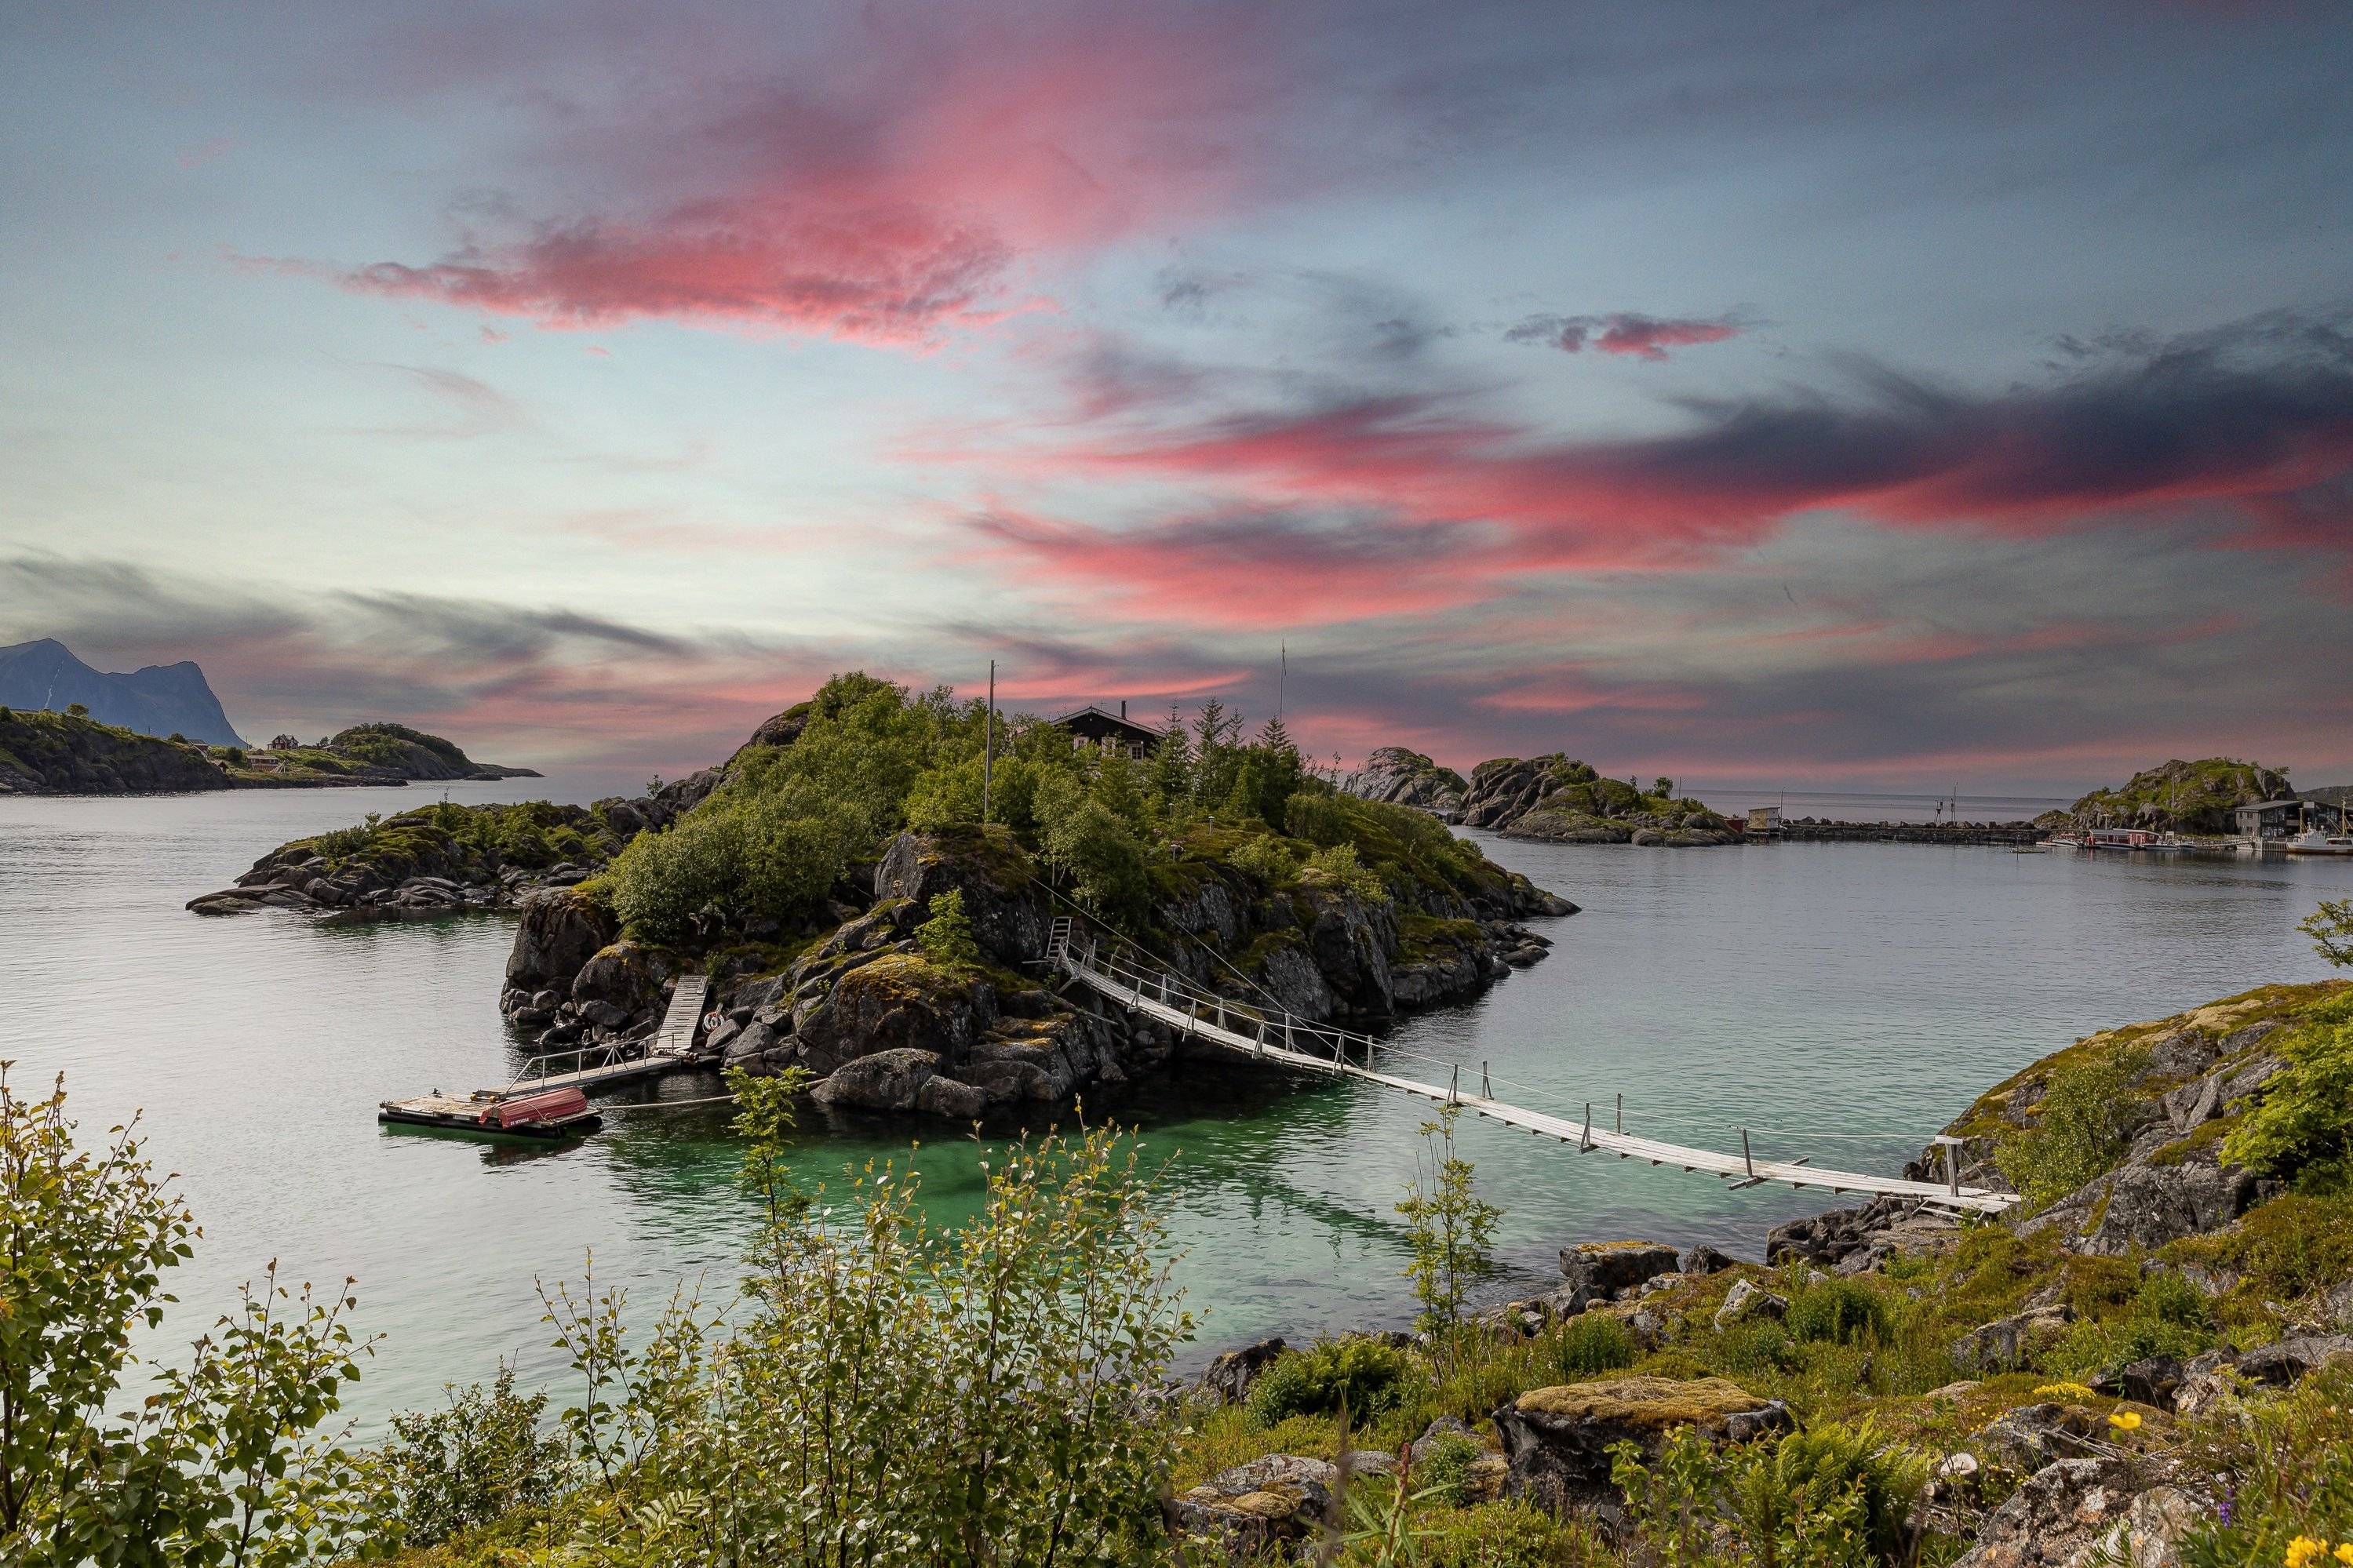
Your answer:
<point x="2269" y="819"/>
<point x="1765" y="821"/>
<point x="284" y="742"/>
<point x="1091" y="726"/>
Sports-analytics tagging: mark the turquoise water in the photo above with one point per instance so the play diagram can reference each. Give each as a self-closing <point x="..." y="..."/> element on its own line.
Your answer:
<point x="1839" y="1000"/>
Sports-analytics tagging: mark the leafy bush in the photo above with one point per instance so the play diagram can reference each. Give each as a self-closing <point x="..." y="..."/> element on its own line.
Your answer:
<point x="1264" y="856"/>
<point x="1339" y="864"/>
<point x="2166" y="1297"/>
<point x="220" y="1459"/>
<point x="1755" y="1348"/>
<point x="946" y="937"/>
<point x="1450" y="1228"/>
<point x="482" y="1455"/>
<point x="2080" y="1127"/>
<point x="1845" y="1311"/>
<point x="1511" y="1535"/>
<point x="889" y="1394"/>
<point x="1361" y="1374"/>
<point x="2303" y="1127"/>
<point x="1832" y="1494"/>
<point x="1588" y="1345"/>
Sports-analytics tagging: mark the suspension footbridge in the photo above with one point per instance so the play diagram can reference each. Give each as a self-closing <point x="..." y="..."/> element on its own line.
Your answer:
<point x="1132" y="980"/>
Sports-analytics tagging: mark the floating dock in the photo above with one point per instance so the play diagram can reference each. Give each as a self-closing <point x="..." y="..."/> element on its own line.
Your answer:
<point x="550" y="1106"/>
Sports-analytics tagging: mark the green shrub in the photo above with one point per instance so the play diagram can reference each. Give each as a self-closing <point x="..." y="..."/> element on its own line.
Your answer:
<point x="482" y="1455"/>
<point x="2304" y="1125"/>
<point x="946" y="937"/>
<point x="1340" y="864"/>
<point x="2166" y="1298"/>
<point x="2285" y="1250"/>
<point x="1830" y="1495"/>
<point x="1589" y="1344"/>
<point x="1511" y="1535"/>
<point x="1363" y="1374"/>
<point x="1755" y="1349"/>
<point x="2080" y="1127"/>
<point x="1264" y="857"/>
<point x="1446" y="1465"/>
<point x="1845" y="1311"/>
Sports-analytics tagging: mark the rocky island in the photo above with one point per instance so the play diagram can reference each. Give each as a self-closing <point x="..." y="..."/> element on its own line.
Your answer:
<point x="2196" y="798"/>
<point x="43" y="752"/>
<point x="863" y="924"/>
<point x="1553" y="798"/>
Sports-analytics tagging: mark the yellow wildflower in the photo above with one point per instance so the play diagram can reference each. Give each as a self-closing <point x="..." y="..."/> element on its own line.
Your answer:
<point x="2344" y="1553"/>
<point x="2062" y="1390"/>
<point x="2303" y="1551"/>
<point x="2129" y="1421"/>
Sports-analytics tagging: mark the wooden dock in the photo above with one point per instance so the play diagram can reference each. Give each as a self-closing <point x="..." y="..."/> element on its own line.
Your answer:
<point x="670" y="1049"/>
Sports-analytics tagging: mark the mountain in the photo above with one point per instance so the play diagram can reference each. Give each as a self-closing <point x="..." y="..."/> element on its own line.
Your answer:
<point x="161" y="700"/>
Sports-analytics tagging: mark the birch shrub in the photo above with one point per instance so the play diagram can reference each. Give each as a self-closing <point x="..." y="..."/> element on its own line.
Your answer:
<point x="891" y="1395"/>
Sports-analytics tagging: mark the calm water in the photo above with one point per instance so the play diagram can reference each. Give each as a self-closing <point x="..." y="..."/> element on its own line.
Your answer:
<point x="1841" y="1000"/>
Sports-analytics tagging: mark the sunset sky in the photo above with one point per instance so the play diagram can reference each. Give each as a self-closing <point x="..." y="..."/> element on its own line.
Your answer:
<point x="1833" y="396"/>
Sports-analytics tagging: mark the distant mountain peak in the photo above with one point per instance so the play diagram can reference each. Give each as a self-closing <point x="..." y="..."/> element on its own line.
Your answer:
<point x="158" y="700"/>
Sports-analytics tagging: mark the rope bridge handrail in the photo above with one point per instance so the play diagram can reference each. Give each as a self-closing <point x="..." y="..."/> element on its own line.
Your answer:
<point x="1276" y="1036"/>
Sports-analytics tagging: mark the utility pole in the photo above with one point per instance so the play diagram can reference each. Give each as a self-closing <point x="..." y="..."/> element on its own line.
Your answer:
<point x="988" y="746"/>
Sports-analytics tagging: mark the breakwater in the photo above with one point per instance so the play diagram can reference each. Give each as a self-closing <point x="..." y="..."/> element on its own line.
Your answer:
<point x="2008" y="833"/>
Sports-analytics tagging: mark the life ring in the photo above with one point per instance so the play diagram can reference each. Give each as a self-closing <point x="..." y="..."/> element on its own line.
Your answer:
<point x="711" y="1020"/>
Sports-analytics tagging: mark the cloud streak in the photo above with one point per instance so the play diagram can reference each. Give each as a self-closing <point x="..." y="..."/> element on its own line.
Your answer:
<point x="1621" y="332"/>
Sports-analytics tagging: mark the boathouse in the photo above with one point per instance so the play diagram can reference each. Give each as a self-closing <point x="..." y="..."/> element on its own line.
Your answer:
<point x="1091" y="726"/>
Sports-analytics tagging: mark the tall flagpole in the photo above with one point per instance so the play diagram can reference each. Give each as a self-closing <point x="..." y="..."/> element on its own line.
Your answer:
<point x="988" y="744"/>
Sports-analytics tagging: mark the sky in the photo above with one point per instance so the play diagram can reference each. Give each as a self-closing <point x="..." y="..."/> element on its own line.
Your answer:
<point x="1822" y="395"/>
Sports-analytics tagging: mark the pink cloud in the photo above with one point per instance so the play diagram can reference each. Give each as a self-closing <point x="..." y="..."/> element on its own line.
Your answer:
<point x="1238" y="570"/>
<point x="1621" y="332"/>
<point x="891" y="207"/>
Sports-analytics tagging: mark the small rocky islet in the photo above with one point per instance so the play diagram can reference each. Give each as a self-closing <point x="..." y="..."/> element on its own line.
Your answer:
<point x="1554" y="798"/>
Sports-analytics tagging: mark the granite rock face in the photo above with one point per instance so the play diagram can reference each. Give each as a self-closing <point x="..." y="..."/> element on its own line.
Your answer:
<point x="1399" y="777"/>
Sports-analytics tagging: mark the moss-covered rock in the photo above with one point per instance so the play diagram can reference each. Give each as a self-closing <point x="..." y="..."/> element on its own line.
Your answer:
<point x="57" y="753"/>
<point x="1558" y="1440"/>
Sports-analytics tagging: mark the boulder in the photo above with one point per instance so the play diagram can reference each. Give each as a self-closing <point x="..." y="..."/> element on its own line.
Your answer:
<point x="1254" y="1509"/>
<point x="2140" y="1207"/>
<point x="1745" y="1300"/>
<point x="2074" y="1514"/>
<point x="1556" y="1440"/>
<point x="2032" y="1435"/>
<point x="2151" y="1381"/>
<point x="1600" y="1270"/>
<point x="1010" y="918"/>
<point x="559" y="933"/>
<point x="885" y="1080"/>
<point x="2009" y="1342"/>
<point x="947" y="1098"/>
<point x="621" y="977"/>
<point x="1445" y="1428"/>
<point x="2297" y="1356"/>
<point x="899" y="1002"/>
<point x="1706" y="1260"/>
<point x="1231" y="1372"/>
<point x="1401" y="777"/>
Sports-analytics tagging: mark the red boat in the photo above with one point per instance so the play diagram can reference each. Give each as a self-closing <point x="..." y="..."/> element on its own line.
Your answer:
<point x="555" y="1105"/>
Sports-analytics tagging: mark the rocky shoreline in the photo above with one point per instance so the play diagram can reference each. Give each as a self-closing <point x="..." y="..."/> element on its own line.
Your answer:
<point x="43" y="752"/>
<point x="2062" y="1428"/>
<point x="880" y="1025"/>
